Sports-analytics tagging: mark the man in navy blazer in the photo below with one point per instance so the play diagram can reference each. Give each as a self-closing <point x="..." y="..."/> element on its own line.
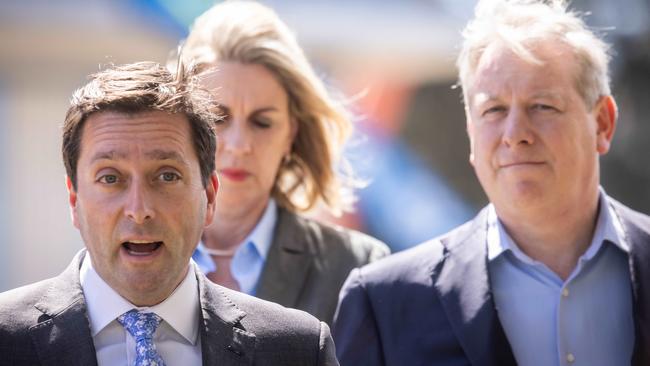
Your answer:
<point x="553" y="271"/>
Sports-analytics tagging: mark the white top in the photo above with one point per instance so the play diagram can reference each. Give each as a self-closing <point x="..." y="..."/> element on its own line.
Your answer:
<point x="177" y="337"/>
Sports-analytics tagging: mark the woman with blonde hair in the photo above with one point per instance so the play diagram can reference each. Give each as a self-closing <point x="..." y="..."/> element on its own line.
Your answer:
<point x="279" y="144"/>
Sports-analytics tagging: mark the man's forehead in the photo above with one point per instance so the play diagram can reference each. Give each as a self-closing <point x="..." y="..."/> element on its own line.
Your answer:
<point x="152" y="135"/>
<point x="500" y="70"/>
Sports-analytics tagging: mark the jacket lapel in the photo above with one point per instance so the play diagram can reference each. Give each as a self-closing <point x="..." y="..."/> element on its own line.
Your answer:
<point x="636" y="227"/>
<point x="62" y="336"/>
<point x="465" y="294"/>
<point x="287" y="263"/>
<point x="222" y="341"/>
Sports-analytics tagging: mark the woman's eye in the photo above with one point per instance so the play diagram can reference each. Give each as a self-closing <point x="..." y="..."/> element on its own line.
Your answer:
<point x="261" y="122"/>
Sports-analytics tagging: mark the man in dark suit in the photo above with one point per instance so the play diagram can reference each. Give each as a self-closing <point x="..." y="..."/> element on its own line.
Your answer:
<point x="552" y="271"/>
<point x="139" y="146"/>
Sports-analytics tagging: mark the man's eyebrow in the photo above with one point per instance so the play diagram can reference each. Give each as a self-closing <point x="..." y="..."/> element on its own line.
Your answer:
<point x="157" y="154"/>
<point x="547" y="94"/>
<point x="108" y="155"/>
<point x="483" y="97"/>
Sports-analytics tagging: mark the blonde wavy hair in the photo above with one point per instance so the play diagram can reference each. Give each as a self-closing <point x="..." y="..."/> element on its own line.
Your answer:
<point x="250" y="33"/>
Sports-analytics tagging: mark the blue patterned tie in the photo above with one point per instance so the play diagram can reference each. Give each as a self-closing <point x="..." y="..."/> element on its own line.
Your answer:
<point x="142" y="326"/>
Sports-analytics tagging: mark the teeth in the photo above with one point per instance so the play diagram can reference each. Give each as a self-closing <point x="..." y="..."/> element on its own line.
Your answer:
<point x="141" y="242"/>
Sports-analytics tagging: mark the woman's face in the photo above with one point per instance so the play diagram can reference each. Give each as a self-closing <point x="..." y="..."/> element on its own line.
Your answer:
<point x="255" y="134"/>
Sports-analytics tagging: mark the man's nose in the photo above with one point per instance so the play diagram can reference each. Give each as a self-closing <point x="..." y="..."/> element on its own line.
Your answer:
<point x="138" y="206"/>
<point x="518" y="129"/>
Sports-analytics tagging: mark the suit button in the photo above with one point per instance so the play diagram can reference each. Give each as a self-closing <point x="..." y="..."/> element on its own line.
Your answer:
<point x="570" y="357"/>
<point x="565" y="292"/>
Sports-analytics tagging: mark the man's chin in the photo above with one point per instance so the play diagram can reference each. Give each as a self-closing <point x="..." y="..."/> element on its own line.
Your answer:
<point x="145" y="292"/>
<point x="145" y="289"/>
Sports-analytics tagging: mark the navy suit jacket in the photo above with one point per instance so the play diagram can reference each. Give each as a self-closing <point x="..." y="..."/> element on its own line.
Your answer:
<point x="432" y="304"/>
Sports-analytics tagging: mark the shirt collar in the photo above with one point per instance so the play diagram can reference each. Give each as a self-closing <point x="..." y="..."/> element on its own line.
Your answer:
<point x="262" y="234"/>
<point x="180" y="310"/>
<point x="608" y="227"/>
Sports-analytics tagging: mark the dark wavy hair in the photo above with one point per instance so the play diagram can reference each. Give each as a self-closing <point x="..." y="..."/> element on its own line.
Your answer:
<point x="136" y="88"/>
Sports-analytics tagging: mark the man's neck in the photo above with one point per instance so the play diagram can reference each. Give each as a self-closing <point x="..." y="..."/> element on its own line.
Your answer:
<point x="556" y="239"/>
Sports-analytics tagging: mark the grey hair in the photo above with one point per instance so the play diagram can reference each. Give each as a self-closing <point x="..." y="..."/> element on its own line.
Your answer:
<point x="519" y="25"/>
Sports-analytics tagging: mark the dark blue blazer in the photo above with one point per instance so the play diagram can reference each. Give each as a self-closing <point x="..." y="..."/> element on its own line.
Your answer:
<point x="432" y="304"/>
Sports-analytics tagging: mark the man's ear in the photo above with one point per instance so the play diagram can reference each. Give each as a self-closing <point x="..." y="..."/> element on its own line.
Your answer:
<point x="606" y="115"/>
<point x="72" y="201"/>
<point x="211" y="193"/>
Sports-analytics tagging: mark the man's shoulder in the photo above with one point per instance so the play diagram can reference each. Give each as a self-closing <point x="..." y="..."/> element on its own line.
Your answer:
<point x="23" y="298"/>
<point x="639" y="219"/>
<point x="417" y="264"/>
<point x="267" y="319"/>
<point x="18" y="308"/>
<point x="283" y="336"/>
<point x="24" y="307"/>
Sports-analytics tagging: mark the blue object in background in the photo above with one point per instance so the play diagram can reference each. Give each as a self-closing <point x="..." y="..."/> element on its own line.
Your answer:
<point x="405" y="203"/>
<point x="171" y="15"/>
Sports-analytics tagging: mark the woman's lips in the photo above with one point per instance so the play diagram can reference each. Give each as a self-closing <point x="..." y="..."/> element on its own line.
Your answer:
<point x="237" y="175"/>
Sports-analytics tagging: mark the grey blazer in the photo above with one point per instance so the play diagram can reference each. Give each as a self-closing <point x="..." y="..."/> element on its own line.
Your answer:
<point x="308" y="263"/>
<point x="46" y="324"/>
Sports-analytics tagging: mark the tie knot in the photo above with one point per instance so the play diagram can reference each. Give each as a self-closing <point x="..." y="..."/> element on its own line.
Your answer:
<point x="140" y="325"/>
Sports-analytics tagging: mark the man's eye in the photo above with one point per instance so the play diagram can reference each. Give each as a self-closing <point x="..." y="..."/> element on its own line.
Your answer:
<point x="544" y="107"/>
<point x="169" y="177"/>
<point x="496" y="109"/>
<point x="108" y="179"/>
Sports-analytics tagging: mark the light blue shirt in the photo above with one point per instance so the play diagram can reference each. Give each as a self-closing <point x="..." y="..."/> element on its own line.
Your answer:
<point x="249" y="259"/>
<point x="585" y="320"/>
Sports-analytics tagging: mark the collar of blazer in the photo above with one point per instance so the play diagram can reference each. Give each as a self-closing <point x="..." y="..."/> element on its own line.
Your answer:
<point x="223" y="340"/>
<point x="288" y="261"/>
<point x="62" y="334"/>
<point x="461" y="281"/>
<point x="637" y="229"/>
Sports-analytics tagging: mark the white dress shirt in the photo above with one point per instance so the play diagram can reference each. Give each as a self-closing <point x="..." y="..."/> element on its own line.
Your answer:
<point x="177" y="337"/>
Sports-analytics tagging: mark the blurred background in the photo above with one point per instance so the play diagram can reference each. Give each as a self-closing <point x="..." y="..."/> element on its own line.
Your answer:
<point x="397" y="57"/>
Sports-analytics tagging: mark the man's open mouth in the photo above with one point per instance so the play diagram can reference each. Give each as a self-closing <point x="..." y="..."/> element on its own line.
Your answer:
<point x="141" y="248"/>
